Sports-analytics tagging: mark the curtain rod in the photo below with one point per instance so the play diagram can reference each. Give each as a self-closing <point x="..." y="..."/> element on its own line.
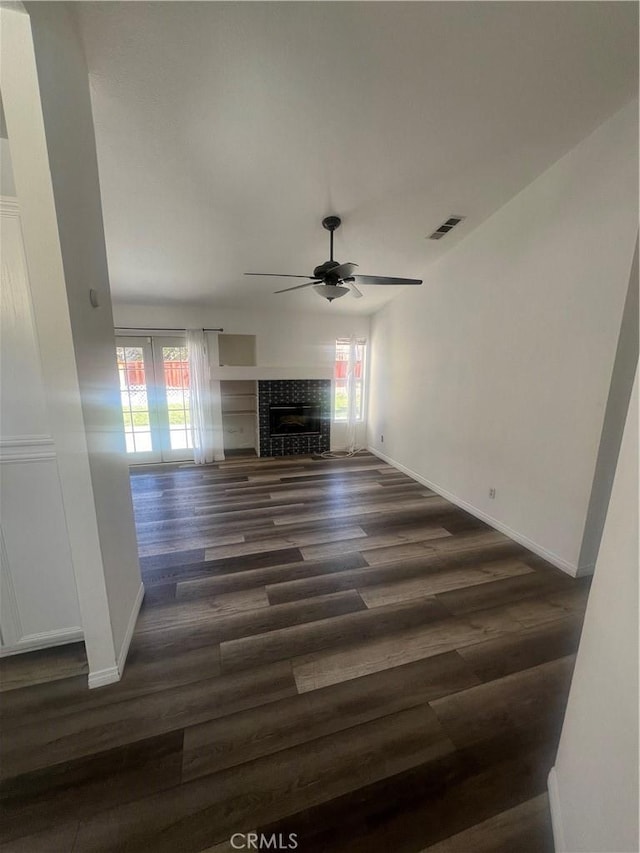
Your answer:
<point x="156" y="329"/>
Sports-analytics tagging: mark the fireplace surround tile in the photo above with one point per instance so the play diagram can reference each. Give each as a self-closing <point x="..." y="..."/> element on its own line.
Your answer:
<point x="294" y="392"/>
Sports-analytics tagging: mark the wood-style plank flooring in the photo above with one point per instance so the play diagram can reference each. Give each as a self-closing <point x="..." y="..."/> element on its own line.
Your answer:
<point x="325" y="648"/>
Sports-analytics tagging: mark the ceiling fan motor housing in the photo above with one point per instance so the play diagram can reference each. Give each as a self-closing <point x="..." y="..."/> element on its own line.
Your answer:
<point x="324" y="271"/>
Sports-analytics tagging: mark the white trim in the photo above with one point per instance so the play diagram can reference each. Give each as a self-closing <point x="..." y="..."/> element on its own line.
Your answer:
<point x="556" y="813"/>
<point x="103" y="677"/>
<point x="41" y="456"/>
<point x="43" y="640"/>
<point x="9" y="206"/>
<point x="124" y="649"/>
<point x="26" y="440"/>
<point x="27" y="448"/>
<point x="556" y="560"/>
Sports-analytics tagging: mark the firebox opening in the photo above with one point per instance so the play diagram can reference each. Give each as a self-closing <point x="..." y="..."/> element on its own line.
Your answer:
<point x="294" y="420"/>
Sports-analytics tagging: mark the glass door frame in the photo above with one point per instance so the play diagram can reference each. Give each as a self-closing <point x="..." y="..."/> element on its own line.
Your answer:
<point x="144" y="343"/>
<point x="157" y="400"/>
<point x="168" y="454"/>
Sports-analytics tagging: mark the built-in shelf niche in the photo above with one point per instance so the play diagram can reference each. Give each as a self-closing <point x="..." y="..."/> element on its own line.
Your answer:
<point x="237" y="350"/>
<point x="239" y="403"/>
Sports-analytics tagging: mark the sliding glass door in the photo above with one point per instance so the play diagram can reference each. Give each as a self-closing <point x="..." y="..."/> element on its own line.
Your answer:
<point x="154" y="392"/>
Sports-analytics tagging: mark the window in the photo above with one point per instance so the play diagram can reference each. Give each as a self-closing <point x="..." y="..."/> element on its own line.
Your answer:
<point x="349" y="374"/>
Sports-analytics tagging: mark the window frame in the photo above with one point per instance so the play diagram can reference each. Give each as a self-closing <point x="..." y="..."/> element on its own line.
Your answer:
<point x="362" y="382"/>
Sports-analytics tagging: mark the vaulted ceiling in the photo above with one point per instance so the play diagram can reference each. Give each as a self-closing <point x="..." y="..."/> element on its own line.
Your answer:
<point x="226" y="131"/>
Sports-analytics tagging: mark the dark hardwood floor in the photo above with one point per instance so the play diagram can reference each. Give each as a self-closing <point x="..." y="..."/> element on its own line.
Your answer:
<point x="325" y="648"/>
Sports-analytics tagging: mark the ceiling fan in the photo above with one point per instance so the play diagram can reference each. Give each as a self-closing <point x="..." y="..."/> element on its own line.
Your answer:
<point x="332" y="279"/>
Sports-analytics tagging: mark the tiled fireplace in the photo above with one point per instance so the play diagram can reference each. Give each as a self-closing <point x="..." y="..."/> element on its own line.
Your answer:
<point x="294" y="416"/>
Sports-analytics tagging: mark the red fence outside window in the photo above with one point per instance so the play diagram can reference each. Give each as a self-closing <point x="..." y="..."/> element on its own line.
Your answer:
<point x="176" y="373"/>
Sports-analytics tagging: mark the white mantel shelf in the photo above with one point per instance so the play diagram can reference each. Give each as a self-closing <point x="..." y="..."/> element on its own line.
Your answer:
<point x="273" y="373"/>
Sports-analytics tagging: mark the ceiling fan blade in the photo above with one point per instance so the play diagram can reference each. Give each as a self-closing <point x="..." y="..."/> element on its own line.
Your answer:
<point x="279" y="275"/>
<point x="354" y="290"/>
<point x="343" y="271"/>
<point x="298" y="286"/>
<point x="381" y="279"/>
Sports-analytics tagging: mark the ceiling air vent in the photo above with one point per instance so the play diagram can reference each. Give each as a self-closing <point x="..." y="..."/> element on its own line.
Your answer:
<point x="451" y="222"/>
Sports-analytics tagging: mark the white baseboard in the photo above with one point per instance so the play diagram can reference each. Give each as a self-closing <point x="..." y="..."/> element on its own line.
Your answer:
<point x="124" y="649"/>
<point x="45" y="640"/>
<point x="102" y="677"/>
<point x="556" y="815"/>
<point x="552" y="558"/>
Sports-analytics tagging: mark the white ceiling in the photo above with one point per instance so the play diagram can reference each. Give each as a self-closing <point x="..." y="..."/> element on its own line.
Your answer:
<point x="226" y="131"/>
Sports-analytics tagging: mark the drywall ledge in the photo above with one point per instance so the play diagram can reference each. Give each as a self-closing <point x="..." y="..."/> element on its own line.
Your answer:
<point x="271" y="373"/>
<point x="552" y="558"/>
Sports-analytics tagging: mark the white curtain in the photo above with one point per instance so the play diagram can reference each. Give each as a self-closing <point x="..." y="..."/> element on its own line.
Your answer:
<point x="200" y="402"/>
<point x="352" y="409"/>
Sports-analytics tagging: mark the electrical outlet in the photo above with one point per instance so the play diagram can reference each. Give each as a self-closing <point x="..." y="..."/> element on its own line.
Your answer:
<point x="381" y="439"/>
<point x="492" y="493"/>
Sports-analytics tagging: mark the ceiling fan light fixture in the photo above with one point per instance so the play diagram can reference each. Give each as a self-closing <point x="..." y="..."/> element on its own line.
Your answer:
<point x="330" y="291"/>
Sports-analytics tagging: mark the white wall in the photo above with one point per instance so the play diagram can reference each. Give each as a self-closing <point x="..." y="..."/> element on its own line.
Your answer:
<point x="38" y="598"/>
<point x="46" y="99"/>
<point x="64" y="88"/>
<point x="495" y="372"/>
<point x="284" y="339"/>
<point x="594" y="785"/>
